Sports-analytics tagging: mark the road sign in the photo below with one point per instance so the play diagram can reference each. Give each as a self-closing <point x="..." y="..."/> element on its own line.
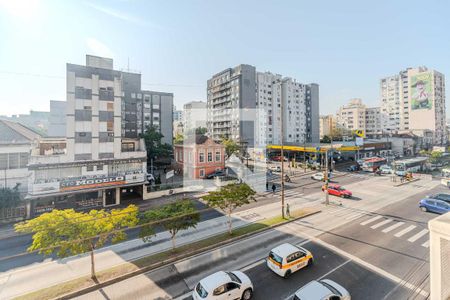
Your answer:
<point x="359" y="141"/>
<point x="359" y="132"/>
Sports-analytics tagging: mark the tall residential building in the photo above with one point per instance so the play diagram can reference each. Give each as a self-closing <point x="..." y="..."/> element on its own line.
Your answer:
<point x="96" y="164"/>
<point x="353" y="115"/>
<point x="414" y="99"/>
<point x="57" y="119"/>
<point x="327" y="125"/>
<point x="373" y="121"/>
<point x="248" y="106"/>
<point x="177" y="114"/>
<point x="228" y="94"/>
<point x="194" y="115"/>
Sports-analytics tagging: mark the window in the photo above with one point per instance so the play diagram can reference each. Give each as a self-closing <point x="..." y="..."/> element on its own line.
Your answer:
<point x="201" y="291"/>
<point x="201" y="157"/>
<point x="231" y="286"/>
<point x="202" y="173"/>
<point x="90" y="168"/>
<point x="127" y="147"/>
<point x="220" y="290"/>
<point x="100" y="168"/>
<point x="217" y="155"/>
<point x="210" y="157"/>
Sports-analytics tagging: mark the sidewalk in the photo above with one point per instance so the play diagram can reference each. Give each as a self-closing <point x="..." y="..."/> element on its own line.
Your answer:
<point x="17" y="282"/>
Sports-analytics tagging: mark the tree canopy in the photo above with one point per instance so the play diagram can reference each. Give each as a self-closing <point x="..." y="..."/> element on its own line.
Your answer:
<point x="178" y="139"/>
<point x="230" y="197"/>
<point x="173" y="217"/>
<point x="153" y="142"/>
<point x="230" y="146"/>
<point x="10" y="197"/>
<point x="67" y="232"/>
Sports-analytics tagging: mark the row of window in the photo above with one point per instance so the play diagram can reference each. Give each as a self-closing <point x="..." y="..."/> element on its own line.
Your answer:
<point x="13" y="160"/>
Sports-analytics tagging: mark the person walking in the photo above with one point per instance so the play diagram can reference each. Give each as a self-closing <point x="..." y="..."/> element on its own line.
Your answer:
<point x="288" y="211"/>
<point x="267" y="185"/>
<point x="273" y="188"/>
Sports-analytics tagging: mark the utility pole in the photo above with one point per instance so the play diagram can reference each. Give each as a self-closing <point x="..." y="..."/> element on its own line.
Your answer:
<point x="282" y="150"/>
<point x="304" y="153"/>
<point x="327" y="200"/>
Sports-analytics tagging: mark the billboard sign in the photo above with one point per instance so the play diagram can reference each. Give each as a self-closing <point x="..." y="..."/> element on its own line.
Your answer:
<point x="79" y="184"/>
<point x="421" y="91"/>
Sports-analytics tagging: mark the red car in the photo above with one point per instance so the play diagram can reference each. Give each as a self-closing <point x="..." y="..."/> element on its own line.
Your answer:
<point x="337" y="190"/>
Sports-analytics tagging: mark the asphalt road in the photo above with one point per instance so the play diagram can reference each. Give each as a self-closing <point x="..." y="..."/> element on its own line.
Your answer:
<point x="13" y="249"/>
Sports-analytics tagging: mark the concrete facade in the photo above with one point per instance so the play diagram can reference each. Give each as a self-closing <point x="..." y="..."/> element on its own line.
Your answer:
<point x="440" y="257"/>
<point x="194" y="116"/>
<point x="57" y="119"/>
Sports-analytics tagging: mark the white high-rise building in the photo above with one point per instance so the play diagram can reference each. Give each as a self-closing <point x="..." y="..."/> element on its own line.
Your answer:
<point x="357" y="116"/>
<point x="194" y="115"/>
<point x="414" y="99"/>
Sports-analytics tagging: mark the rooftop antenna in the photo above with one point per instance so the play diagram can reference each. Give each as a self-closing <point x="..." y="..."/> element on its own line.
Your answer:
<point x="128" y="63"/>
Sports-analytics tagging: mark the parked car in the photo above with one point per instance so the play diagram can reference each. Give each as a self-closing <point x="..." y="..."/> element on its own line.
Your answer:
<point x="275" y="168"/>
<point x="337" y="190"/>
<point x="322" y="289"/>
<point x="224" y="285"/>
<point x="318" y="176"/>
<point x="385" y="169"/>
<point x="440" y="196"/>
<point x="219" y="173"/>
<point x="278" y="158"/>
<point x="434" y="205"/>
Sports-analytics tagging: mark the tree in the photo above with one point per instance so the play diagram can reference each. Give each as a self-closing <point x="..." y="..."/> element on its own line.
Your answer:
<point x="201" y="130"/>
<point x="155" y="148"/>
<point x="179" y="139"/>
<point x="67" y="232"/>
<point x="230" y="197"/>
<point x="173" y="217"/>
<point x="10" y="197"/>
<point x="326" y="139"/>
<point x="435" y="156"/>
<point x="230" y="146"/>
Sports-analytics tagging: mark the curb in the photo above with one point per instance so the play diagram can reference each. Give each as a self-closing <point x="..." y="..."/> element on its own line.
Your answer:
<point x="174" y="259"/>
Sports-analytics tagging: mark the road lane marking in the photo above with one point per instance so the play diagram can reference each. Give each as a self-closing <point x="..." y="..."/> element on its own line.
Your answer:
<point x="371" y="220"/>
<point x="252" y="265"/>
<point x="367" y="265"/>
<point x="392" y="227"/>
<point x="417" y="236"/>
<point x="404" y="231"/>
<point x="355" y="216"/>
<point x="331" y="271"/>
<point x="381" y="223"/>
<point x="426" y="244"/>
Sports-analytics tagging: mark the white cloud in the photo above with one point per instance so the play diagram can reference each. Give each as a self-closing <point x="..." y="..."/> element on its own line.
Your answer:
<point x="121" y="15"/>
<point x="98" y="48"/>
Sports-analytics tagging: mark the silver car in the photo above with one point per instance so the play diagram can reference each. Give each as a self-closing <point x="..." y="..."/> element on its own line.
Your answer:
<point x="322" y="289"/>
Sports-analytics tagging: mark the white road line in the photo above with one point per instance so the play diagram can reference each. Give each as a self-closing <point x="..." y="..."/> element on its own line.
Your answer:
<point x="417" y="236"/>
<point x="331" y="271"/>
<point x="426" y="244"/>
<point x="371" y="220"/>
<point x="381" y="223"/>
<point x="355" y="216"/>
<point x="392" y="227"/>
<point x="406" y="230"/>
<point x="248" y="267"/>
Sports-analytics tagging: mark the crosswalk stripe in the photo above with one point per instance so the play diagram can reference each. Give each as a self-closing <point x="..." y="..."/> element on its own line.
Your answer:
<point x="354" y="216"/>
<point x="426" y="244"/>
<point x="406" y="230"/>
<point x="371" y="220"/>
<point x="392" y="227"/>
<point x="381" y="223"/>
<point x="418" y="236"/>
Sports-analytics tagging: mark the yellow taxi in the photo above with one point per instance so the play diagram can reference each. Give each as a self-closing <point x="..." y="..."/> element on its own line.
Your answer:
<point x="287" y="259"/>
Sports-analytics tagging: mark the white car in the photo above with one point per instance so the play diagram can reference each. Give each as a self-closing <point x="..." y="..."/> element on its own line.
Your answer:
<point x="224" y="285"/>
<point x="322" y="289"/>
<point x="318" y="176"/>
<point x="275" y="168"/>
<point x="385" y="169"/>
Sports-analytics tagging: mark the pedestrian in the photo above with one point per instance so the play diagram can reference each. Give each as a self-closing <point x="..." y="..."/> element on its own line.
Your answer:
<point x="267" y="185"/>
<point x="288" y="211"/>
<point x="273" y="188"/>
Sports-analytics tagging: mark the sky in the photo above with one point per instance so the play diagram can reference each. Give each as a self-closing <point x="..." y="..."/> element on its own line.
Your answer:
<point x="344" y="46"/>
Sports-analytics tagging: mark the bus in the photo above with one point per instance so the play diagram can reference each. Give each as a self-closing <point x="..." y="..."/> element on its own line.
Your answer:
<point x="402" y="167"/>
<point x="372" y="164"/>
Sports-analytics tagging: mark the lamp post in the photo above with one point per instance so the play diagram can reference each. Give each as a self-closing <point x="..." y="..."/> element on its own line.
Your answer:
<point x="282" y="150"/>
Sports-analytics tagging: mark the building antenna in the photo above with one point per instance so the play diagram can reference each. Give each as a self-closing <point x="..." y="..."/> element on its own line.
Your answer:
<point x="128" y="63"/>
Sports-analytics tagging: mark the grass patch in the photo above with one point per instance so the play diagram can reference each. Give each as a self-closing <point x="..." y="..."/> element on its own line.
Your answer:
<point x="185" y="250"/>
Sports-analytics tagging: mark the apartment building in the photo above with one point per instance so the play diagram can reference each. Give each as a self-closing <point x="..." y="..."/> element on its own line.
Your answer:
<point x="229" y="93"/>
<point x="96" y="164"/>
<point x="414" y="99"/>
<point x="57" y="119"/>
<point x="249" y="107"/>
<point x="194" y="116"/>
<point x="373" y="121"/>
<point x="327" y="125"/>
<point x="353" y="115"/>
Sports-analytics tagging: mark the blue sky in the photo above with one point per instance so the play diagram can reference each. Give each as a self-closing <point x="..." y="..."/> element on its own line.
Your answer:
<point x="344" y="46"/>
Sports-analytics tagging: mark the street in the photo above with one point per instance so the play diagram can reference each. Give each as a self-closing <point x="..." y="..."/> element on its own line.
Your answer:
<point x="13" y="249"/>
<point x="376" y="246"/>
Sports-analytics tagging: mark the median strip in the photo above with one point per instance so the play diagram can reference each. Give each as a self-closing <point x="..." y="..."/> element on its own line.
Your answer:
<point x="85" y="284"/>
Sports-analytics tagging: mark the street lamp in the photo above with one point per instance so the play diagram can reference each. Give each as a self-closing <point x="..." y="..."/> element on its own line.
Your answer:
<point x="282" y="150"/>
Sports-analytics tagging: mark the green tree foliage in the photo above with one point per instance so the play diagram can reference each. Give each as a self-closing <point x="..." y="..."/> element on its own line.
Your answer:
<point x="435" y="156"/>
<point x="10" y="197"/>
<point x="230" y="146"/>
<point x="67" y="232"/>
<point x="230" y="197"/>
<point x="173" y="217"/>
<point x="201" y="130"/>
<point x="178" y="139"/>
<point x="326" y="139"/>
<point x="155" y="148"/>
